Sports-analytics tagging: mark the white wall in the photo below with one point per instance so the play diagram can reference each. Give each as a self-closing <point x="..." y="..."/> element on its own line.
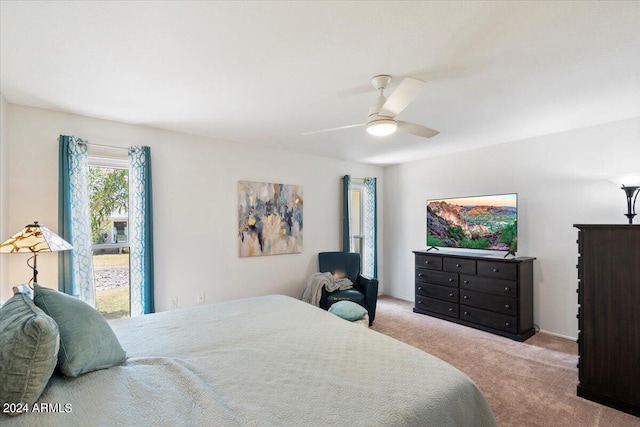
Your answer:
<point x="4" y="199"/>
<point x="194" y="203"/>
<point x="561" y="180"/>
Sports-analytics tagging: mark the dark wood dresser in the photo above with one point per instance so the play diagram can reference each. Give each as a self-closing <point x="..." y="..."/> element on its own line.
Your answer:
<point x="609" y="315"/>
<point x="488" y="293"/>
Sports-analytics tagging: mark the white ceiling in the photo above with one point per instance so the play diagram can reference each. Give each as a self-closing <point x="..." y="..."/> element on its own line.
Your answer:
<point x="265" y="72"/>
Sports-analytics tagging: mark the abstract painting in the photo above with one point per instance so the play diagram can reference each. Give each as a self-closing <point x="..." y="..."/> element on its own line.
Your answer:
<point x="269" y="218"/>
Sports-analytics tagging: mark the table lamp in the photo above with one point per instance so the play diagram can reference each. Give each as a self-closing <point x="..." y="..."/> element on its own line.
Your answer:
<point x="34" y="238"/>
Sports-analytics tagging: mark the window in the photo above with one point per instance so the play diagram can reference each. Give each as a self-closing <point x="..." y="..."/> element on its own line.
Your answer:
<point x="360" y="231"/>
<point x="75" y="268"/>
<point x="357" y="210"/>
<point x="108" y="205"/>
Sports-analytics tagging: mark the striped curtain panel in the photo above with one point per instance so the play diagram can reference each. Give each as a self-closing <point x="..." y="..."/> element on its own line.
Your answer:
<point x="75" y="267"/>
<point x="140" y="231"/>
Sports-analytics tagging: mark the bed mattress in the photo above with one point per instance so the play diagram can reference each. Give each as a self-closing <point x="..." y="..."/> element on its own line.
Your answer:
<point x="265" y="361"/>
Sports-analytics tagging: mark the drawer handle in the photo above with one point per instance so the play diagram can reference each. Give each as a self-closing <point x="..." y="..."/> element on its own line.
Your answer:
<point x="450" y="279"/>
<point x="507" y="288"/>
<point x="427" y="262"/>
<point x="419" y="288"/>
<point x="458" y="265"/>
<point x="466" y="312"/>
<point x="420" y="275"/>
<point x="507" y="306"/>
<point x="507" y="323"/>
<point x="419" y="302"/>
<point x="451" y="295"/>
<point x="451" y="310"/>
<point x="466" y="282"/>
<point x="495" y="270"/>
<point x="465" y="296"/>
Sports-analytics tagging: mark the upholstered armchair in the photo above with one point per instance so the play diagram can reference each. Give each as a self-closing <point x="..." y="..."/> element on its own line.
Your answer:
<point x="347" y="264"/>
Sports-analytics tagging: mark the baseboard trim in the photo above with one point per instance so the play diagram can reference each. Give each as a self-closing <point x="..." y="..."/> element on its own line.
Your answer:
<point x="567" y="337"/>
<point x="559" y="335"/>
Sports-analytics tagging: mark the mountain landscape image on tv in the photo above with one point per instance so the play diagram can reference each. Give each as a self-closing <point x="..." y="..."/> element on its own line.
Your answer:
<point x="478" y="222"/>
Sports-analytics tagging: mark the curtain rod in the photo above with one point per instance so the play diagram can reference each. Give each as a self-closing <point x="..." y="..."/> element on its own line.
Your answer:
<point x="106" y="146"/>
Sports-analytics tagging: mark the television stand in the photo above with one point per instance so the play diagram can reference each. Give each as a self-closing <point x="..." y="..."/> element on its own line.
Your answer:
<point x="488" y="293"/>
<point x="510" y="253"/>
<point x="432" y="247"/>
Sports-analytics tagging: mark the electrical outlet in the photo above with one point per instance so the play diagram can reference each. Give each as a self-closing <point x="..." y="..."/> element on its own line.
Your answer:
<point x="201" y="298"/>
<point x="174" y="302"/>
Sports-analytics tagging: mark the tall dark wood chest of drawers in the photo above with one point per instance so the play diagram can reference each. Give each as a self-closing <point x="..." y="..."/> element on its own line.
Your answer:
<point x="609" y="315"/>
<point x="488" y="293"/>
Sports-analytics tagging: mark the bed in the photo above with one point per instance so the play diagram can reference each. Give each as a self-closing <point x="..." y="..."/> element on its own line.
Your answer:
<point x="265" y="361"/>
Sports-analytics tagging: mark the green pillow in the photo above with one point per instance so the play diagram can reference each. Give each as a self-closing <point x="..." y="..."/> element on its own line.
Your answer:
<point x="87" y="342"/>
<point x="348" y="310"/>
<point x="29" y="343"/>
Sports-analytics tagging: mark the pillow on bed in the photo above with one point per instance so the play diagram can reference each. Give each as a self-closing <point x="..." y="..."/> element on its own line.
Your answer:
<point x="348" y="310"/>
<point x="87" y="342"/>
<point x="29" y="342"/>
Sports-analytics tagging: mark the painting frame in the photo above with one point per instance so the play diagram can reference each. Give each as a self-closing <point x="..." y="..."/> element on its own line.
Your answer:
<point x="270" y="218"/>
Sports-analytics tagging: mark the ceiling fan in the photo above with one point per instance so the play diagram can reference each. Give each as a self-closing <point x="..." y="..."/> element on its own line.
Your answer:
<point x="382" y="115"/>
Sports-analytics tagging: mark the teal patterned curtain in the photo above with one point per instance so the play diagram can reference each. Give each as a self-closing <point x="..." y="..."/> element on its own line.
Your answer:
<point x="346" y="214"/>
<point x="75" y="267"/>
<point x="370" y="253"/>
<point x="140" y="231"/>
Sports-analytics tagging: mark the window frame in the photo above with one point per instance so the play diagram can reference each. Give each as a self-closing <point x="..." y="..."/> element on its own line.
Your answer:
<point x="109" y="163"/>
<point x="360" y="237"/>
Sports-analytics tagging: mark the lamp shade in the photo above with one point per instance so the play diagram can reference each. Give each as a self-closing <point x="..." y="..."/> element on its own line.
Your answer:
<point x="631" y="179"/>
<point x="382" y="126"/>
<point x="35" y="238"/>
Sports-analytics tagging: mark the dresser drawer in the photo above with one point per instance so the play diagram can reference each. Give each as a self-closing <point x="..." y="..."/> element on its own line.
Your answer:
<point x="490" y="286"/>
<point x="437" y="306"/>
<point x="580" y="318"/>
<point x="439" y="292"/>
<point x="488" y="318"/>
<point x="489" y="293"/>
<point x="460" y="265"/>
<point x="579" y="267"/>
<point x="500" y="304"/>
<point x="499" y="270"/>
<point x="431" y="262"/>
<point x="436" y="277"/>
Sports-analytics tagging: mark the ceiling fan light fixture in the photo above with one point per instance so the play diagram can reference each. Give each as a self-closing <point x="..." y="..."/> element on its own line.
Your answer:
<point x="382" y="127"/>
<point x="381" y="120"/>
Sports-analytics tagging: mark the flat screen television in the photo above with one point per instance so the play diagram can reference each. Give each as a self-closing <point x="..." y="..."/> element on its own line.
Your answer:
<point x="477" y="222"/>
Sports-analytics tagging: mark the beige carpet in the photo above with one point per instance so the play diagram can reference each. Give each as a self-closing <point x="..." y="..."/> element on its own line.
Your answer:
<point x="526" y="384"/>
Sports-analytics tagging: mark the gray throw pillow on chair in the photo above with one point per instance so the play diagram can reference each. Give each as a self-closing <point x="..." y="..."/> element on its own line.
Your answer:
<point x="348" y="310"/>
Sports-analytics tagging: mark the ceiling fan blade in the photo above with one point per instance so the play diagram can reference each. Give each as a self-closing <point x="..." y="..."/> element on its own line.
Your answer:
<point x="313" y="132"/>
<point x="415" y="129"/>
<point x="404" y="94"/>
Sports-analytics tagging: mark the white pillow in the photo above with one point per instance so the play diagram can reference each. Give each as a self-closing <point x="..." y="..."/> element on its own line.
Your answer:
<point x="23" y="289"/>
